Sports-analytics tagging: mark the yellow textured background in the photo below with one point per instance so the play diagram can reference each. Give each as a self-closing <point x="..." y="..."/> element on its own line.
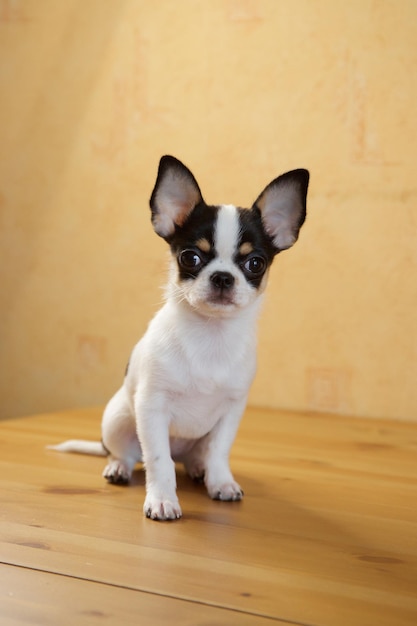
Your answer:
<point x="93" y="92"/>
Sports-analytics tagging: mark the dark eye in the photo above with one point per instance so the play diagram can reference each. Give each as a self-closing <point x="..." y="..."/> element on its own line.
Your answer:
<point x="190" y="260"/>
<point x="255" y="265"/>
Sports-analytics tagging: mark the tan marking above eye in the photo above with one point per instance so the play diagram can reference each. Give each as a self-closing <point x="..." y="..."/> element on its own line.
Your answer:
<point x="246" y="248"/>
<point x="203" y="244"/>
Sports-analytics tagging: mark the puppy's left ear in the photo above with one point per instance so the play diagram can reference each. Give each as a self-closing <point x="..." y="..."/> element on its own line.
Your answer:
<point x="175" y="195"/>
<point x="283" y="207"/>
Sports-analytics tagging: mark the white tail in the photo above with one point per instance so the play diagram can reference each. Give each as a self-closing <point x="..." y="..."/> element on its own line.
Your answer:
<point x="80" y="446"/>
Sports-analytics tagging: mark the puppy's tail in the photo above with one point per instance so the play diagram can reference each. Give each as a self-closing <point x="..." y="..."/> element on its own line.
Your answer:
<point x="82" y="447"/>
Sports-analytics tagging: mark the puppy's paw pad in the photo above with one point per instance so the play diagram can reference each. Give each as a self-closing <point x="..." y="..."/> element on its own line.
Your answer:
<point x="163" y="510"/>
<point x="116" y="473"/>
<point x="226" y="492"/>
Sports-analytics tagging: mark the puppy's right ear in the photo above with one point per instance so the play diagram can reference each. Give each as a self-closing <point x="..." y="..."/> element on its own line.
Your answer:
<point x="175" y="195"/>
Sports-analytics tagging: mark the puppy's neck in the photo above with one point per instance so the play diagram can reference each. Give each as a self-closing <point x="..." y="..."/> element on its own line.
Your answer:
<point x="214" y="342"/>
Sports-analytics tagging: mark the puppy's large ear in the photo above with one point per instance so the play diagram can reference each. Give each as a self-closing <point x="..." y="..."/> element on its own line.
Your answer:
<point x="175" y="195"/>
<point x="283" y="207"/>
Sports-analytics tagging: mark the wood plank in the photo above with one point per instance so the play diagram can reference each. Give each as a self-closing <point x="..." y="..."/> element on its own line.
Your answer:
<point x="33" y="597"/>
<point x="326" y="533"/>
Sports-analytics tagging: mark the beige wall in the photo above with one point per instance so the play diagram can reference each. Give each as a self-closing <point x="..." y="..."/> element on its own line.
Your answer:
<point x="93" y="92"/>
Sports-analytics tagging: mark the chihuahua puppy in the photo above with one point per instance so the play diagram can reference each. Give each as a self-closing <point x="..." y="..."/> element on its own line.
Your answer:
<point x="188" y="378"/>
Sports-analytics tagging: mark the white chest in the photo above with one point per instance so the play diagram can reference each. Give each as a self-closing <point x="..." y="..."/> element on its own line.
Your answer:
<point x="193" y="371"/>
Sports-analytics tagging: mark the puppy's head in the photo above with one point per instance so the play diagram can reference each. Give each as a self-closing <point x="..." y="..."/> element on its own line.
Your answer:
<point x="221" y="254"/>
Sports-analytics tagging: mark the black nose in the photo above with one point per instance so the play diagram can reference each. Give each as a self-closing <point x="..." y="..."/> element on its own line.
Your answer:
<point x="222" y="280"/>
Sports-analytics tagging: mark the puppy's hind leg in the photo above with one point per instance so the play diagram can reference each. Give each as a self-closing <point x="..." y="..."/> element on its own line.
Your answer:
<point x="120" y="439"/>
<point x="194" y="462"/>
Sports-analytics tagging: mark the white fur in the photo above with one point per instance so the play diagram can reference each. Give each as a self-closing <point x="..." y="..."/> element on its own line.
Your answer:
<point x="186" y="386"/>
<point x="184" y="390"/>
<point x="227" y="232"/>
<point x="78" y="445"/>
<point x="188" y="377"/>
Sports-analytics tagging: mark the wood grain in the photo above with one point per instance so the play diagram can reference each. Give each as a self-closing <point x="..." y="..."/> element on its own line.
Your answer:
<point x="326" y="534"/>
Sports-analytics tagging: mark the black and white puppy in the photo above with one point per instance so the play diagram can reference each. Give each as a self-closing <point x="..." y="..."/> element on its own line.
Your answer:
<point x="188" y="378"/>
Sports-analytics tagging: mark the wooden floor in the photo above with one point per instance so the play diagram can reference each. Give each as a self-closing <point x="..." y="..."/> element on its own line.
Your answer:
<point x="326" y="534"/>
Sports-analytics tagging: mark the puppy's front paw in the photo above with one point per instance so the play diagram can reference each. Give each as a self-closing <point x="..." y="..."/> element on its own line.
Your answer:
<point x="117" y="473"/>
<point x="162" y="509"/>
<point x="226" y="491"/>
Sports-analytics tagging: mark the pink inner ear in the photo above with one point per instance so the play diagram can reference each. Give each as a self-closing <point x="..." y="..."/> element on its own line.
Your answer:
<point x="184" y="210"/>
<point x="172" y="211"/>
<point x="175" y="198"/>
<point x="281" y="210"/>
<point x="283" y="207"/>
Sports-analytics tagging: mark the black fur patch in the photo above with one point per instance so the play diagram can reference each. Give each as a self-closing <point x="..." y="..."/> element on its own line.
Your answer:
<point x="253" y="232"/>
<point x="199" y="225"/>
